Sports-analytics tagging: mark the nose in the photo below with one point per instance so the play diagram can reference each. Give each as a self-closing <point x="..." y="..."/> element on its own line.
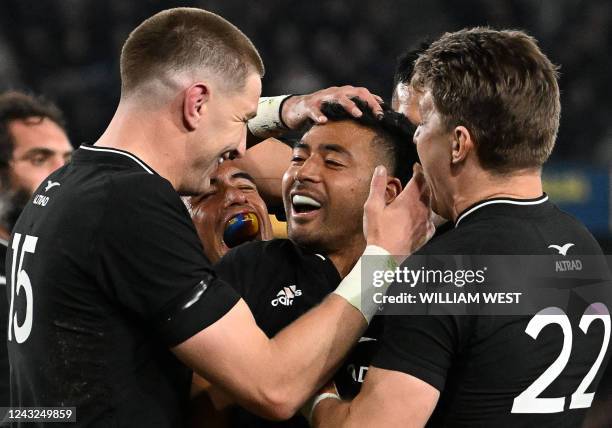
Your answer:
<point x="241" y="149"/>
<point x="310" y="170"/>
<point x="234" y="196"/>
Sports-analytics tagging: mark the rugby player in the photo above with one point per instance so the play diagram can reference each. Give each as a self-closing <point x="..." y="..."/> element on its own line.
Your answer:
<point x="230" y="212"/>
<point x="324" y="189"/>
<point x="33" y="144"/>
<point x="488" y="114"/>
<point x="111" y="293"/>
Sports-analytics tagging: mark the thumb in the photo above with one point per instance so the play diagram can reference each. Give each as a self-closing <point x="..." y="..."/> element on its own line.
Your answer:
<point x="421" y="182"/>
<point x="378" y="186"/>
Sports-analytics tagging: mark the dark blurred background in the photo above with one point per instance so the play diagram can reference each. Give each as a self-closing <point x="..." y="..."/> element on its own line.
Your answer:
<point x="69" y="50"/>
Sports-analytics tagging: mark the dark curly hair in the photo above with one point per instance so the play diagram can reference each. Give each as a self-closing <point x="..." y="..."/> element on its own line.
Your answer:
<point x="393" y="135"/>
<point x="20" y="106"/>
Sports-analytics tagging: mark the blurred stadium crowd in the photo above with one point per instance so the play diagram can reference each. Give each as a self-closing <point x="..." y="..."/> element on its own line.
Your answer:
<point x="68" y="50"/>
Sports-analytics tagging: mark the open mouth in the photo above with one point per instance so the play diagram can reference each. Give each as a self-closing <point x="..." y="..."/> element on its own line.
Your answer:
<point x="304" y="204"/>
<point x="241" y="228"/>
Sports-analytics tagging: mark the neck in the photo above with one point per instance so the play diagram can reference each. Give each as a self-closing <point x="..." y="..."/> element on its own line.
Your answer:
<point x="345" y="258"/>
<point x="524" y="184"/>
<point x="151" y="135"/>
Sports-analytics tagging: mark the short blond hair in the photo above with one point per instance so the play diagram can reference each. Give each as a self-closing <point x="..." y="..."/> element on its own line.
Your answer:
<point x="183" y="39"/>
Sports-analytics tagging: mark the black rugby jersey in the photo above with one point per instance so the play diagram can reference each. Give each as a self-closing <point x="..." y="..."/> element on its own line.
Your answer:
<point x="111" y="274"/>
<point x="281" y="281"/>
<point x="481" y="364"/>
<point x="5" y="395"/>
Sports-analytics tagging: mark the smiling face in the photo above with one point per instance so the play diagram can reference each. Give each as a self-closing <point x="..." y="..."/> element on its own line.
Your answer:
<point x="230" y="212"/>
<point x="326" y="185"/>
<point x="221" y="133"/>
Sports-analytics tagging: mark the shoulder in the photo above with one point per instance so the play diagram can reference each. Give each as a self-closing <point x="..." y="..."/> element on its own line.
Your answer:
<point x="137" y="196"/>
<point x="146" y="206"/>
<point x="140" y="185"/>
<point x="514" y="235"/>
<point x="453" y="241"/>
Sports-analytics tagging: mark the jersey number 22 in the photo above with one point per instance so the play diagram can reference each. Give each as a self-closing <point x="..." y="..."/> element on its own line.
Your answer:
<point x="528" y="401"/>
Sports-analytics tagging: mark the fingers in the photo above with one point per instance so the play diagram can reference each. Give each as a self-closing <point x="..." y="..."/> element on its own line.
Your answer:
<point x="315" y="114"/>
<point x="421" y="184"/>
<point x="416" y="186"/>
<point x="299" y="108"/>
<point x="376" y="198"/>
<point x="417" y="175"/>
<point x="342" y="96"/>
<point x="349" y="106"/>
<point x="374" y="101"/>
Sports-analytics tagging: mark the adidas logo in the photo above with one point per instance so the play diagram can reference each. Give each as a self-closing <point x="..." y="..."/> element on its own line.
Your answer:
<point x="286" y="295"/>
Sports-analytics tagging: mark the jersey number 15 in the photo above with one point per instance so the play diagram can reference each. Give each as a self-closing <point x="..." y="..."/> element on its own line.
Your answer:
<point x="21" y="332"/>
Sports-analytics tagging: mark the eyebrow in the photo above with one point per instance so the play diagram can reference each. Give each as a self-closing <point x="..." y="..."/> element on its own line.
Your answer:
<point x="301" y="145"/>
<point x="337" y="149"/>
<point x="244" y="175"/>
<point x="330" y="147"/>
<point x="40" y="151"/>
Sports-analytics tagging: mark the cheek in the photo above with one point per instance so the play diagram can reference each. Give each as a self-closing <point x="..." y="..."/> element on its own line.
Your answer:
<point x="287" y="181"/>
<point x="349" y="197"/>
<point x="31" y="177"/>
<point x="260" y="206"/>
<point x="431" y="151"/>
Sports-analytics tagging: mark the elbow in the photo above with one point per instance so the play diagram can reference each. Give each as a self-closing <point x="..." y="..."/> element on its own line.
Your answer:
<point x="278" y="405"/>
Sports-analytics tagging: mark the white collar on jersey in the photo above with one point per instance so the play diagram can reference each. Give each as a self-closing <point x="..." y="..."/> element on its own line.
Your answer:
<point x="4" y="242"/>
<point x="119" y="152"/>
<point x="537" y="201"/>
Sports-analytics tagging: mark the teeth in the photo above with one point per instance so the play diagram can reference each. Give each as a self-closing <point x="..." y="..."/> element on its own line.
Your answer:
<point x="305" y="200"/>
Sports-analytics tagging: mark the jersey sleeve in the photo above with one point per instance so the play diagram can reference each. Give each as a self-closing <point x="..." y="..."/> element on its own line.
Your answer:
<point x="151" y="261"/>
<point x="422" y="346"/>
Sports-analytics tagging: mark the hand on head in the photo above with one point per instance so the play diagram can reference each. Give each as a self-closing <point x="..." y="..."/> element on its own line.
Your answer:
<point x="297" y="110"/>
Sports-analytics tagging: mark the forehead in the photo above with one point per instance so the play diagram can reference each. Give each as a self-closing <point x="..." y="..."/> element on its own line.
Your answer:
<point x="34" y="132"/>
<point x="247" y="97"/>
<point x="226" y="171"/>
<point x="351" y="136"/>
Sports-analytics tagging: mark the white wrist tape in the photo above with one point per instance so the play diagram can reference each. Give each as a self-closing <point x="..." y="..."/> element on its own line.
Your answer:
<point x="268" y="119"/>
<point x="361" y="295"/>
<point x="320" y="398"/>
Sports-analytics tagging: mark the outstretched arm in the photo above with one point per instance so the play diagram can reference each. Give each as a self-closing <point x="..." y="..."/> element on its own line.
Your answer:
<point x="277" y="115"/>
<point x="273" y="377"/>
